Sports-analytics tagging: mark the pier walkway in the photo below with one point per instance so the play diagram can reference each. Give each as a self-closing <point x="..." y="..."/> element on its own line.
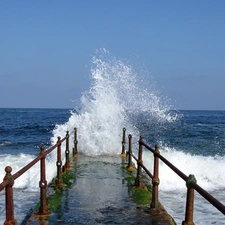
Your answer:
<point x="98" y="193"/>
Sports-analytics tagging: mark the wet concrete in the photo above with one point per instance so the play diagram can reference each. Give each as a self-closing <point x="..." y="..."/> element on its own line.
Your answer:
<point x="99" y="195"/>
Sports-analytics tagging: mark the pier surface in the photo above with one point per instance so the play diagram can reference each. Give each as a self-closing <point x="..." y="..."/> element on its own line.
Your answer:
<point x="98" y="194"/>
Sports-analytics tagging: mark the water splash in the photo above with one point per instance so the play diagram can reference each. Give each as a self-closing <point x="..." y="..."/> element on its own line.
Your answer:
<point x="116" y="92"/>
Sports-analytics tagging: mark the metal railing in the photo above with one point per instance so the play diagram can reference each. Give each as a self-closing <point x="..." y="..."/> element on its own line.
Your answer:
<point x="9" y="179"/>
<point x="190" y="180"/>
<point x="43" y="210"/>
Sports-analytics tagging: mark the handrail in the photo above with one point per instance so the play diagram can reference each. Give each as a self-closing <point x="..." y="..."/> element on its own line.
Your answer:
<point x="142" y="165"/>
<point x="9" y="179"/>
<point x="176" y="170"/>
<point x="200" y="190"/>
<point x="190" y="180"/>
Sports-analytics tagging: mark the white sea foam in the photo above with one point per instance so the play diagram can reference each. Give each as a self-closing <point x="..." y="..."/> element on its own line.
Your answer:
<point x="209" y="172"/>
<point x="115" y="91"/>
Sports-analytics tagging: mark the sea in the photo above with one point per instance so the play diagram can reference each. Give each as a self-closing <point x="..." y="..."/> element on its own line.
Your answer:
<point x="120" y="97"/>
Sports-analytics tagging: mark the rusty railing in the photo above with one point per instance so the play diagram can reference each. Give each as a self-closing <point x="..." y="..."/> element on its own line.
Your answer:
<point x="9" y="179"/>
<point x="190" y="180"/>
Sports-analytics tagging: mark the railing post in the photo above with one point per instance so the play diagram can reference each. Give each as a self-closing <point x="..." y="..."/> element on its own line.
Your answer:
<point x="43" y="209"/>
<point x="155" y="180"/>
<point x="59" y="162"/>
<point x="123" y="142"/>
<point x="9" y="198"/>
<point x="189" y="201"/>
<point x="139" y="170"/>
<point x="75" y="142"/>
<point x="67" y="152"/>
<point x="130" y="167"/>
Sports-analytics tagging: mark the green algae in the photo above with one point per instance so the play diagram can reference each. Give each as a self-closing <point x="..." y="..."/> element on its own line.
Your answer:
<point x="55" y="201"/>
<point x="55" y="198"/>
<point x="68" y="178"/>
<point x="140" y="195"/>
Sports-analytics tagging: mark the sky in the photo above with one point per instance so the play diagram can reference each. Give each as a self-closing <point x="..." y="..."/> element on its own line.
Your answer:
<point x="45" y="47"/>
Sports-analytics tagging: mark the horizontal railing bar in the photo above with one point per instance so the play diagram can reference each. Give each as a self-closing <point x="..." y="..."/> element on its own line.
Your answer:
<point x="29" y="165"/>
<point x="51" y="149"/>
<point x="147" y="146"/>
<point x="208" y="197"/>
<point x="54" y="146"/>
<point x="4" y="184"/>
<point x="134" y="156"/>
<point x="142" y="165"/>
<point x="146" y="170"/>
<point x="199" y="189"/>
<point x="175" y="169"/>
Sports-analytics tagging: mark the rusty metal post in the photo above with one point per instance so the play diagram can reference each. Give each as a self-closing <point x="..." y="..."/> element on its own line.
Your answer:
<point x="9" y="198"/>
<point x="67" y="152"/>
<point x="189" y="201"/>
<point x="123" y="142"/>
<point x="155" y="180"/>
<point x="43" y="209"/>
<point x="130" y="151"/>
<point x="59" y="162"/>
<point x="75" y="152"/>
<point x="139" y="170"/>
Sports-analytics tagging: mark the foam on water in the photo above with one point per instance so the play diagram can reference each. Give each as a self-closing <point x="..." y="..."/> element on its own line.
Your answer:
<point x="208" y="170"/>
<point x="116" y="90"/>
<point x="5" y="143"/>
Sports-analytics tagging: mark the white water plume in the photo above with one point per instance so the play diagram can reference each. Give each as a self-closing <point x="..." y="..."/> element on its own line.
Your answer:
<point x="116" y="90"/>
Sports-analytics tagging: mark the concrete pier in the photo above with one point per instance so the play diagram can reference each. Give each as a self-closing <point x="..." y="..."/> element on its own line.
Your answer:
<point x="98" y="193"/>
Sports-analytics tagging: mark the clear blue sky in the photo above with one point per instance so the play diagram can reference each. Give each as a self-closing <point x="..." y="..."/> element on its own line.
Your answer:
<point x="46" y="45"/>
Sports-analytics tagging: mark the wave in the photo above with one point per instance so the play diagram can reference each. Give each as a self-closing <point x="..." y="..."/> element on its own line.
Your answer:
<point x="5" y="143"/>
<point x="116" y="89"/>
<point x="208" y="170"/>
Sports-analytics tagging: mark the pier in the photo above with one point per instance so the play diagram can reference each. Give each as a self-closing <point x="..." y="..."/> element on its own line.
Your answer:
<point x="101" y="190"/>
<point x="100" y="193"/>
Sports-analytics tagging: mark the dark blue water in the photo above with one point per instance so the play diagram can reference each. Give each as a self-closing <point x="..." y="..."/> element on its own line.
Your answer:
<point x="25" y="130"/>
<point x="197" y="132"/>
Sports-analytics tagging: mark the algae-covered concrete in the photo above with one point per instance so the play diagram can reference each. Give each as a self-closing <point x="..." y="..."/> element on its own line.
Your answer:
<point x="100" y="192"/>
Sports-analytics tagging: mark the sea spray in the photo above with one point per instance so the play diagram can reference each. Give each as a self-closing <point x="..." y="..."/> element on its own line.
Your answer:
<point x="115" y="95"/>
<point x="208" y="170"/>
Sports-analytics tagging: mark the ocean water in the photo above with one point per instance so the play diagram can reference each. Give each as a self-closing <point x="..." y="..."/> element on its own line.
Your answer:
<point x="120" y="96"/>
